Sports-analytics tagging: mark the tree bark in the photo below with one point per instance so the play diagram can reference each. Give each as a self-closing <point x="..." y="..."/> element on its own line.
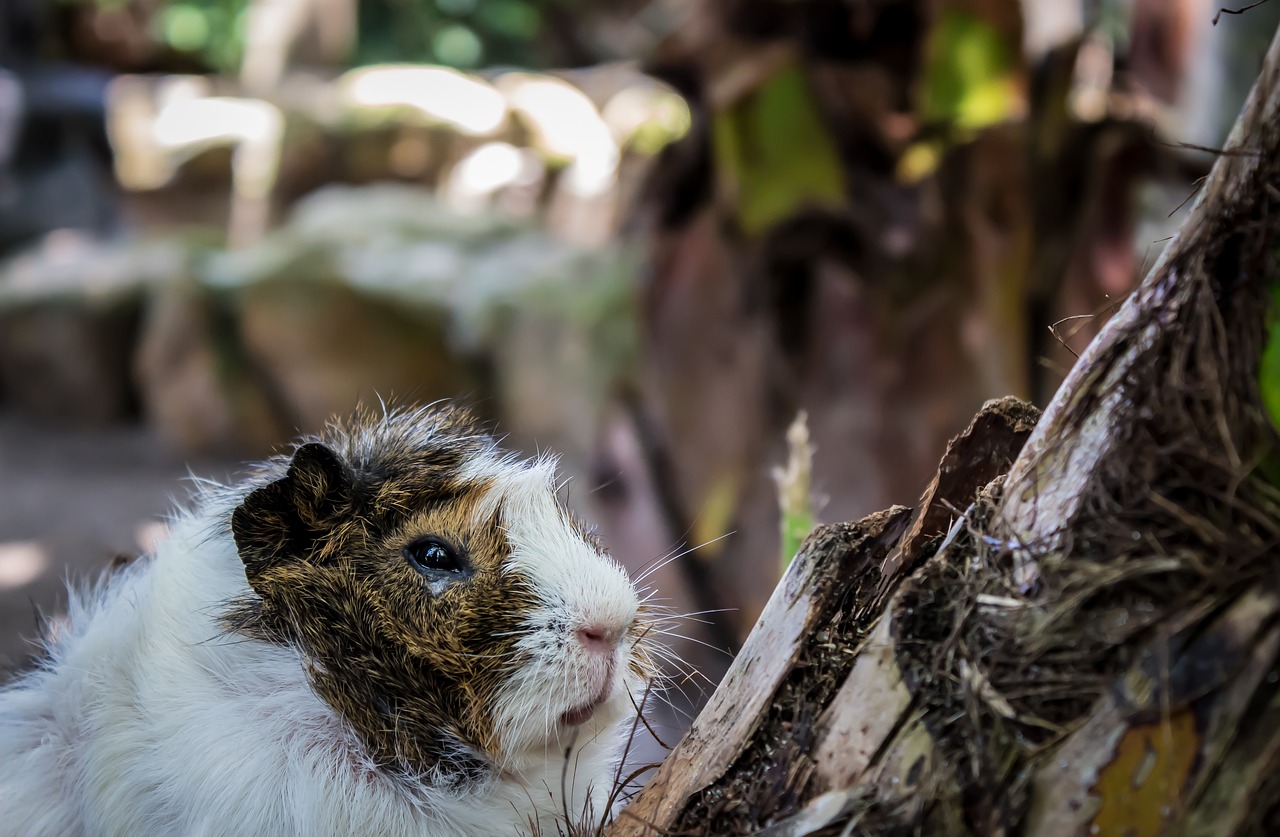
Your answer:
<point x="1089" y="644"/>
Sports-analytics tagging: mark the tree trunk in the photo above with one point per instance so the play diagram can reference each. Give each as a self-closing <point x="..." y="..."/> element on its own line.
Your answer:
<point x="1088" y="644"/>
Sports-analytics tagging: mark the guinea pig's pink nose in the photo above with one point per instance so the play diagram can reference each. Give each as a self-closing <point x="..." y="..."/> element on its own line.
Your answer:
<point x="598" y="638"/>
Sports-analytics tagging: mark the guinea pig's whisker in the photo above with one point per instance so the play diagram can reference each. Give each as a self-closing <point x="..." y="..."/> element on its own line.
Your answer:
<point x="520" y="632"/>
<point x="690" y="616"/>
<point x="670" y="633"/>
<point x="680" y="665"/>
<point x="665" y="560"/>
<point x="689" y="675"/>
<point x="664" y="653"/>
<point x="662" y="680"/>
<point x="648" y="568"/>
<point x="683" y="715"/>
<point x="649" y="599"/>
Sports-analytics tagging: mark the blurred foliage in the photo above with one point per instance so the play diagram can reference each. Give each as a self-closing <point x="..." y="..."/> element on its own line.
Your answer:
<point x="970" y="82"/>
<point x="1269" y="365"/>
<point x="776" y="153"/>
<point x="970" y="79"/>
<point x="795" y="491"/>
<point x="456" y="33"/>
<point x="669" y="122"/>
<point x="213" y="30"/>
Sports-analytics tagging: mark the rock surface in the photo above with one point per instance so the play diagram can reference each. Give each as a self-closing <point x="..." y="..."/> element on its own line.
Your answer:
<point x="366" y="294"/>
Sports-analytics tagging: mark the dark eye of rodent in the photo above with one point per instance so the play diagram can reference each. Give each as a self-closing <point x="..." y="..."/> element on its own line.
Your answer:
<point x="432" y="555"/>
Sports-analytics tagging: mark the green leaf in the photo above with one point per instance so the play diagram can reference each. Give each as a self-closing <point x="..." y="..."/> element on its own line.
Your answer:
<point x="1269" y="366"/>
<point x="795" y="493"/>
<point x="457" y="8"/>
<point x="512" y="18"/>
<point x="971" y="73"/>
<point x="775" y="154"/>
<point x="457" y="46"/>
<point x="185" y="28"/>
<point x="1269" y="384"/>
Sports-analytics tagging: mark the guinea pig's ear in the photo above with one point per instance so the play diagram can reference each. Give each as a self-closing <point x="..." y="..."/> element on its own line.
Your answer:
<point x="283" y="520"/>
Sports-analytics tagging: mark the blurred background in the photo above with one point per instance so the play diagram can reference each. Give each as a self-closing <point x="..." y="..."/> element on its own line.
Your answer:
<point x="647" y="234"/>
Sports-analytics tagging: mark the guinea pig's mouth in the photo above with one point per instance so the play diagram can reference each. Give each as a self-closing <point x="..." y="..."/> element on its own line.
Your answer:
<point x="581" y="714"/>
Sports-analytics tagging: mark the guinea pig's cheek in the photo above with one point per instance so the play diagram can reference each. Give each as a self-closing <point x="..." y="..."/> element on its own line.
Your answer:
<point x="531" y="691"/>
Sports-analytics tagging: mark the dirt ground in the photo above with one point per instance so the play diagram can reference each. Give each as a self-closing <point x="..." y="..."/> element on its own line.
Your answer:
<point x="70" y="501"/>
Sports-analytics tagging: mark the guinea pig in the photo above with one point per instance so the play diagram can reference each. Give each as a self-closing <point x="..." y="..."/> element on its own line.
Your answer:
<point x="397" y="629"/>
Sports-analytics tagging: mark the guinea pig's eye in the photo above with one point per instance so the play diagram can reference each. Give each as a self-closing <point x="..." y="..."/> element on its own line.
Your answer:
<point x="433" y="556"/>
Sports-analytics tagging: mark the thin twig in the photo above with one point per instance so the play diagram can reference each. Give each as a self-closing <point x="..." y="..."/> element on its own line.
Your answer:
<point x="1238" y="11"/>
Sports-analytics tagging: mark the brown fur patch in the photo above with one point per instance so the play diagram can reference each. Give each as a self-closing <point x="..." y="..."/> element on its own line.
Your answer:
<point x="412" y="667"/>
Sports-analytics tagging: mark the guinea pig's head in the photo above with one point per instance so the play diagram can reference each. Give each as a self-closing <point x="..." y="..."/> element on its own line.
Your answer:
<point x="443" y="599"/>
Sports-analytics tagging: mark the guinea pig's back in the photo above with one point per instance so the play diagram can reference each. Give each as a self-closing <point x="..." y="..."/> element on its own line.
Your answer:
<point x="127" y="713"/>
<point x="47" y="715"/>
<point x="147" y="717"/>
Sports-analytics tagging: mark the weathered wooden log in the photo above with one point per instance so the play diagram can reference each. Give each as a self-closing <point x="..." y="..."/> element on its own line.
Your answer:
<point x="1093" y="645"/>
<point x="791" y="689"/>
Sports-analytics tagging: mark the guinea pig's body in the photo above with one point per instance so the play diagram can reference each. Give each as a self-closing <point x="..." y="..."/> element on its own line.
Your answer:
<point x="396" y="631"/>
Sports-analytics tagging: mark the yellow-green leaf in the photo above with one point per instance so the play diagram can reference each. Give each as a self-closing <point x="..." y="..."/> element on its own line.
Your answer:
<point x="1269" y="365"/>
<point x="971" y="79"/>
<point x="795" y="498"/>
<point x="774" y="153"/>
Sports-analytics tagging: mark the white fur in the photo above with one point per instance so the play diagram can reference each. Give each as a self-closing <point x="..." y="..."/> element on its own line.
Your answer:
<point x="149" y="720"/>
<point x="577" y="587"/>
